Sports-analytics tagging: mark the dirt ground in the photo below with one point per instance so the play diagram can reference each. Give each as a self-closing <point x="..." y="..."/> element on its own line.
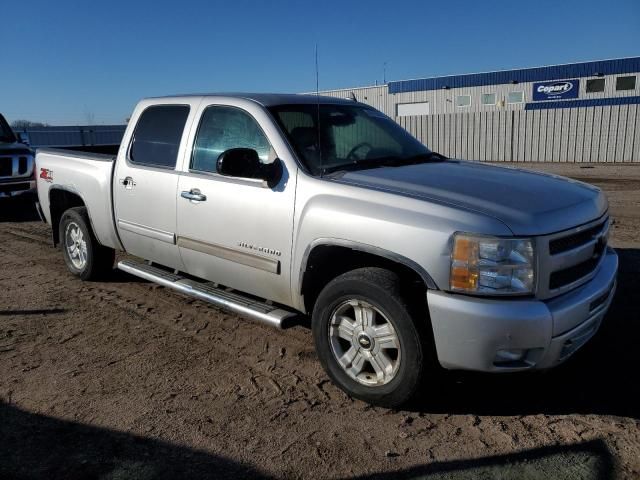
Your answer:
<point x="126" y="380"/>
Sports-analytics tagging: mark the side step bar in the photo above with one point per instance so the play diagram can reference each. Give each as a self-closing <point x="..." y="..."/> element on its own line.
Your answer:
<point x="209" y="292"/>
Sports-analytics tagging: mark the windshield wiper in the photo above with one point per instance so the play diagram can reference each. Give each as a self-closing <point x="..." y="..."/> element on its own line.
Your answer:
<point x="389" y="161"/>
<point x="362" y="164"/>
<point x="422" y="158"/>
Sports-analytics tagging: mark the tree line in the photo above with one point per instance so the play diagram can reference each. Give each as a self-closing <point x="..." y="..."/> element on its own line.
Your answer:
<point x="21" y="124"/>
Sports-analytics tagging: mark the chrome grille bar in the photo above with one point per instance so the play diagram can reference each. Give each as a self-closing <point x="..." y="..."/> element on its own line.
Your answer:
<point x="16" y="166"/>
<point x="570" y="258"/>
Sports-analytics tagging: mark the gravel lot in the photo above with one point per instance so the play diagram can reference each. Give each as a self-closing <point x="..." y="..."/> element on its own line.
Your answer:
<point x="126" y="380"/>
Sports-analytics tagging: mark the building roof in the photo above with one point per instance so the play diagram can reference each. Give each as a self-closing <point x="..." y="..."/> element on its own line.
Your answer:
<point x="536" y="74"/>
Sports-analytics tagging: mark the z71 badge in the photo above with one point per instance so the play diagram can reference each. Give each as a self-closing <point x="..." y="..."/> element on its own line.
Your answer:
<point x="46" y="175"/>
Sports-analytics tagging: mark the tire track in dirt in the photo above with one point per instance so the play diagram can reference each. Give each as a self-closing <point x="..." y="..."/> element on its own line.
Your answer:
<point x="233" y="336"/>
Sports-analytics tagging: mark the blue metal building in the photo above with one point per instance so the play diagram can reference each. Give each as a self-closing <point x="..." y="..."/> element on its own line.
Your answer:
<point x="580" y="112"/>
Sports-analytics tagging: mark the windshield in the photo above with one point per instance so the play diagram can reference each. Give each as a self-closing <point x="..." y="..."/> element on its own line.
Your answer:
<point x="6" y="134"/>
<point x="351" y="136"/>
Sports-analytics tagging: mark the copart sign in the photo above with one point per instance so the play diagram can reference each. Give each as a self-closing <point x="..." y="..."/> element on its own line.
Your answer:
<point x="556" y="90"/>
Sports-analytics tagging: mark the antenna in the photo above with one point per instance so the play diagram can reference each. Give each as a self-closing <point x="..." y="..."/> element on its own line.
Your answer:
<point x="317" y="81"/>
<point x="318" y="113"/>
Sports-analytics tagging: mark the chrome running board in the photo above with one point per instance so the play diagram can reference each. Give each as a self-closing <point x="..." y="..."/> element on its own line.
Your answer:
<point x="210" y="292"/>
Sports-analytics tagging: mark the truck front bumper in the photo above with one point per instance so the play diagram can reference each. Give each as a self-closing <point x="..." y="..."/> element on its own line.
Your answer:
<point x="497" y="335"/>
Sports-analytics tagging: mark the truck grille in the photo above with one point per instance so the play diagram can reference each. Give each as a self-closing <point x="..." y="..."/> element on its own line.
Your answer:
<point x="15" y="167"/>
<point x="572" y="274"/>
<point x="6" y="166"/>
<point x="569" y="242"/>
<point x="570" y="258"/>
<point x="23" y="165"/>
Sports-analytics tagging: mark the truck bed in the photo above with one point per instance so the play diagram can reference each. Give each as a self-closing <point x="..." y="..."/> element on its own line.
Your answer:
<point x="103" y="149"/>
<point x="86" y="152"/>
<point x="85" y="174"/>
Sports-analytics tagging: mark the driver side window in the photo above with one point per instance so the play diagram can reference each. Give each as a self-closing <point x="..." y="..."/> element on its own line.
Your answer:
<point x="222" y="128"/>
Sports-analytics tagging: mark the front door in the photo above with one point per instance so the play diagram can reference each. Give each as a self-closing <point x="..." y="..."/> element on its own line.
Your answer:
<point x="145" y="185"/>
<point x="234" y="231"/>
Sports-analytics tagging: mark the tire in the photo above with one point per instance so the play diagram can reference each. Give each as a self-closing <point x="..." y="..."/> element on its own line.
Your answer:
<point x="84" y="256"/>
<point x="378" y="373"/>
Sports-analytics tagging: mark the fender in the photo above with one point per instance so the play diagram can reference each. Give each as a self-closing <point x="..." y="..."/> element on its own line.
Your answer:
<point x="65" y="188"/>
<point x="366" y="248"/>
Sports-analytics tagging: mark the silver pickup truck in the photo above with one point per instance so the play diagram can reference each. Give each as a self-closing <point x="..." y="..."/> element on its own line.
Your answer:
<point x="277" y="206"/>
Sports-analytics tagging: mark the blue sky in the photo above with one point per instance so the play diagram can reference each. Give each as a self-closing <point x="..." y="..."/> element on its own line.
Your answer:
<point x="65" y="62"/>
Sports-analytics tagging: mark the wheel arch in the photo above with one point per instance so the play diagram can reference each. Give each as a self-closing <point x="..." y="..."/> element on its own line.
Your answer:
<point x="316" y="272"/>
<point x="60" y="200"/>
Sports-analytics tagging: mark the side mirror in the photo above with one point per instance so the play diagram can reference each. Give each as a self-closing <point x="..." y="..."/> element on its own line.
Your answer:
<point x="23" y="137"/>
<point x="245" y="163"/>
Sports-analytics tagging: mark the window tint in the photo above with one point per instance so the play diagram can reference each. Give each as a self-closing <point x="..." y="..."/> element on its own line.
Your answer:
<point x="595" y="85"/>
<point x="488" y="98"/>
<point x="625" y="83"/>
<point x="222" y="128"/>
<point x="515" y="97"/>
<point x="157" y="135"/>
<point x="463" y="100"/>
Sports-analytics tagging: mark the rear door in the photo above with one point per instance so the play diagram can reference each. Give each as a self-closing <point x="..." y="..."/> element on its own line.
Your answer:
<point x="239" y="234"/>
<point x="146" y="179"/>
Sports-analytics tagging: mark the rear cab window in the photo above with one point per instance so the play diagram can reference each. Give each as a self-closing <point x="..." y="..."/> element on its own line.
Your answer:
<point x="157" y="136"/>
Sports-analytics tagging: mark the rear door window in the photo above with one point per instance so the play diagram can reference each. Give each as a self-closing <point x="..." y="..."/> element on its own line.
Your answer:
<point x="157" y="136"/>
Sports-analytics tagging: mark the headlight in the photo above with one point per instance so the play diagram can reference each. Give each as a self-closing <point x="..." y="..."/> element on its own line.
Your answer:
<point x="492" y="266"/>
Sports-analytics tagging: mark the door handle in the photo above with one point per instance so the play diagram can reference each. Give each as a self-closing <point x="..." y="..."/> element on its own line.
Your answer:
<point x="128" y="183"/>
<point x="194" y="194"/>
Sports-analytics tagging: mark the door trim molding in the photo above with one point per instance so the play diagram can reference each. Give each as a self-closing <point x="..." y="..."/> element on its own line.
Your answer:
<point x="233" y="255"/>
<point x="156" y="234"/>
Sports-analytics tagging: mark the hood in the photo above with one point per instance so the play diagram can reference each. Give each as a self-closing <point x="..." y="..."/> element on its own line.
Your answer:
<point x="14" y="149"/>
<point x="529" y="203"/>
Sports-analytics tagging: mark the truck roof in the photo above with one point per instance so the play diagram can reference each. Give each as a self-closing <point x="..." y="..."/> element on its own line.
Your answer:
<point x="268" y="99"/>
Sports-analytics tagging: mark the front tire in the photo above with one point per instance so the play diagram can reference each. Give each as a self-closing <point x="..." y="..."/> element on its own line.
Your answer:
<point x="366" y="338"/>
<point x="84" y="256"/>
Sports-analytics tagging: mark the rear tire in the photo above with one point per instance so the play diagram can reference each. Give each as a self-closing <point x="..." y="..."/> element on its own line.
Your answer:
<point x="366" y="339"/>
<point x="84" y="256"/>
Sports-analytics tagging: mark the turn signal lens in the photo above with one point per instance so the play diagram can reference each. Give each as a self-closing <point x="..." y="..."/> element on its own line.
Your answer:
<point x="464" y="248"/>
<point x="492" y="266"/>
<point x="463" y="278"/>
